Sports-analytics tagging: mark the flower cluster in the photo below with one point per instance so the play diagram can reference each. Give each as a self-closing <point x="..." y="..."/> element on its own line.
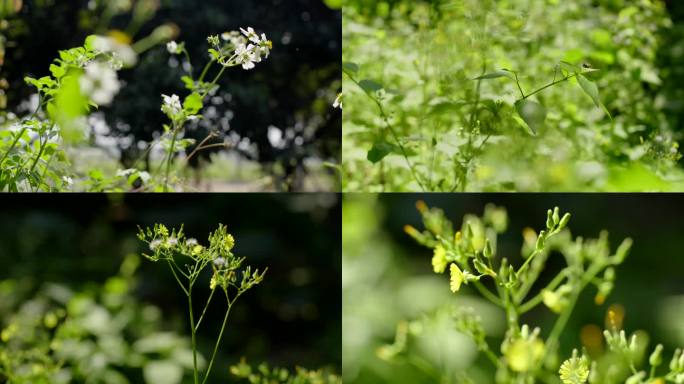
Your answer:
<point x="99" y="83"/>
<point x="167" y="245"/>
<point x="274" y="375"/>
<point x="471" y="257"/>
<point x="244" y="48"/>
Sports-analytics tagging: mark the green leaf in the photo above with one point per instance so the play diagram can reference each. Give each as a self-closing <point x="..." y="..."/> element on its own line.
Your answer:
<point x="532" y="113"/>
<point x="379" y="151"/>
<point x="370" y="86"/>
<point x="590" y="88"/>
<point x="496" y="75"/>
<point x="193" y="103"/>
<point x="57" y="71"/>
<point x="350" y="67"/>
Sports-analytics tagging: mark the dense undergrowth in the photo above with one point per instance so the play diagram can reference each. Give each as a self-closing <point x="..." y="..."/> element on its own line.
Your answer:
<point x="485" y="96"/>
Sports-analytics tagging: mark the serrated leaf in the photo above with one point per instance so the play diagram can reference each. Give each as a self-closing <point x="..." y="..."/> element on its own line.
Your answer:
<point x="590" y="88"/>
<point x="350" y="67"/>
<point x="532" y="113"/>
<point x="496" y="75"/>
<point x="370" y="86"/>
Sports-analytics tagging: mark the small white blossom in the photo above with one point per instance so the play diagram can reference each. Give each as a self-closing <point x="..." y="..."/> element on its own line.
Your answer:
<point x="250" y="34"/>
<point x="144" y="176"/>
<point x="191" y="241"/>
<point x="172" y="106"/>
<point x="154" y="244"/>
<point x="219" y="262"/>
<point x="125" y="172"/>
<point x="338" y="101"/>
<point x="244" y="55"/>
<point x="68" y="181"/>
<point x="173" y="47"/>
<point x="99" y="83"/>
<point x="171" y="242"/>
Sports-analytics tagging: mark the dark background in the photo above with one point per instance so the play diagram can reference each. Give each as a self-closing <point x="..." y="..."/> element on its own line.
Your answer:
<point x="287" y="91"/>
<point x="292" y="319"/>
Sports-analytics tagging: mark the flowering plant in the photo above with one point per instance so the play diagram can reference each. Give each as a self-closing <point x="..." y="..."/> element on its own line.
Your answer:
<point x="471" y="257"/>
<point x="187" y="260"/>
<point x="33" y="152"/>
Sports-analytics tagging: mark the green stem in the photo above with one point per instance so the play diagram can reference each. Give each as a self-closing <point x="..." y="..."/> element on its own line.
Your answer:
<point x="551" y="84"/>
<point x="218" y="341"/>
<point x="193" y="337"/>
<point x="390" y="128"/>
<point x="169" y="159"/>
<point x="533" y="302"/>
<point x="199" y="321"/>
<point x="178" y="279"/>
<point x="487" y="293"/>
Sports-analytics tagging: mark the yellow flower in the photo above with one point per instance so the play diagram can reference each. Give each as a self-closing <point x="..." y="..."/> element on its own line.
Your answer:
<point x="457" y="278"/>
<point x="230" y="241"/>
<point x="439" y="261"/>
<point x="523" y="354"/>
<point x="574" y="370"/>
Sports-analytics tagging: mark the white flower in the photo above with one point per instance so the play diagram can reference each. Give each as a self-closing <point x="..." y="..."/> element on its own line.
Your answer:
<point x="154" y="244"/>
<point x="125" y="172"/>
<point x="171" y="241"/>
<point x="338" y="101"/>
<point x="121" y="52"/>
<point x="144" y="176"/>
<point x="99" y="83"/>
<point x="68" y="181"/>
<point x="173" y="47"/>
<point x="219" y="262"/>
<point x="244" y="55"/>
<point x="172" y="106"/>
<point x="191" y="241"/>
<point x="250" y="34"/>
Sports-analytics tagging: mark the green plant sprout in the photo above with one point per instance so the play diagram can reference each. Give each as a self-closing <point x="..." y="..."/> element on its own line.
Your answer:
<point x="469" y="254"/>
<point x="188" y="260"/>
<point x="263" y="374"/>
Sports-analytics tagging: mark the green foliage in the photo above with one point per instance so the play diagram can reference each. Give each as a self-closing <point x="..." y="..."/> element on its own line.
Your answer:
<point x="102" y="335"/>
<point x="473" y="96"/>
<point x="263" y="374"/>
<point x="187" y="260"/>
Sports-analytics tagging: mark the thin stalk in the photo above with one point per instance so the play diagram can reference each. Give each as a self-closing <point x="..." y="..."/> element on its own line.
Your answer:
<point x="533" y="302"/>
<point x="193" y="333"/>
<point x="487" y="293"/>
<point x="169" y="159"/>
<point x="199" y="321"/>
<point x="178" y="279"/>
<point x="551" y="84"/>
<point x="218" y="341"/>
<point x="390" y="128"/>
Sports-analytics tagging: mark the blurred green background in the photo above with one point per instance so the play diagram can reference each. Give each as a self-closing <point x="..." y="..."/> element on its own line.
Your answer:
<point x="388" y="278"/>
<point x="425" y="54"/>
<point x="78" y="252"/>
